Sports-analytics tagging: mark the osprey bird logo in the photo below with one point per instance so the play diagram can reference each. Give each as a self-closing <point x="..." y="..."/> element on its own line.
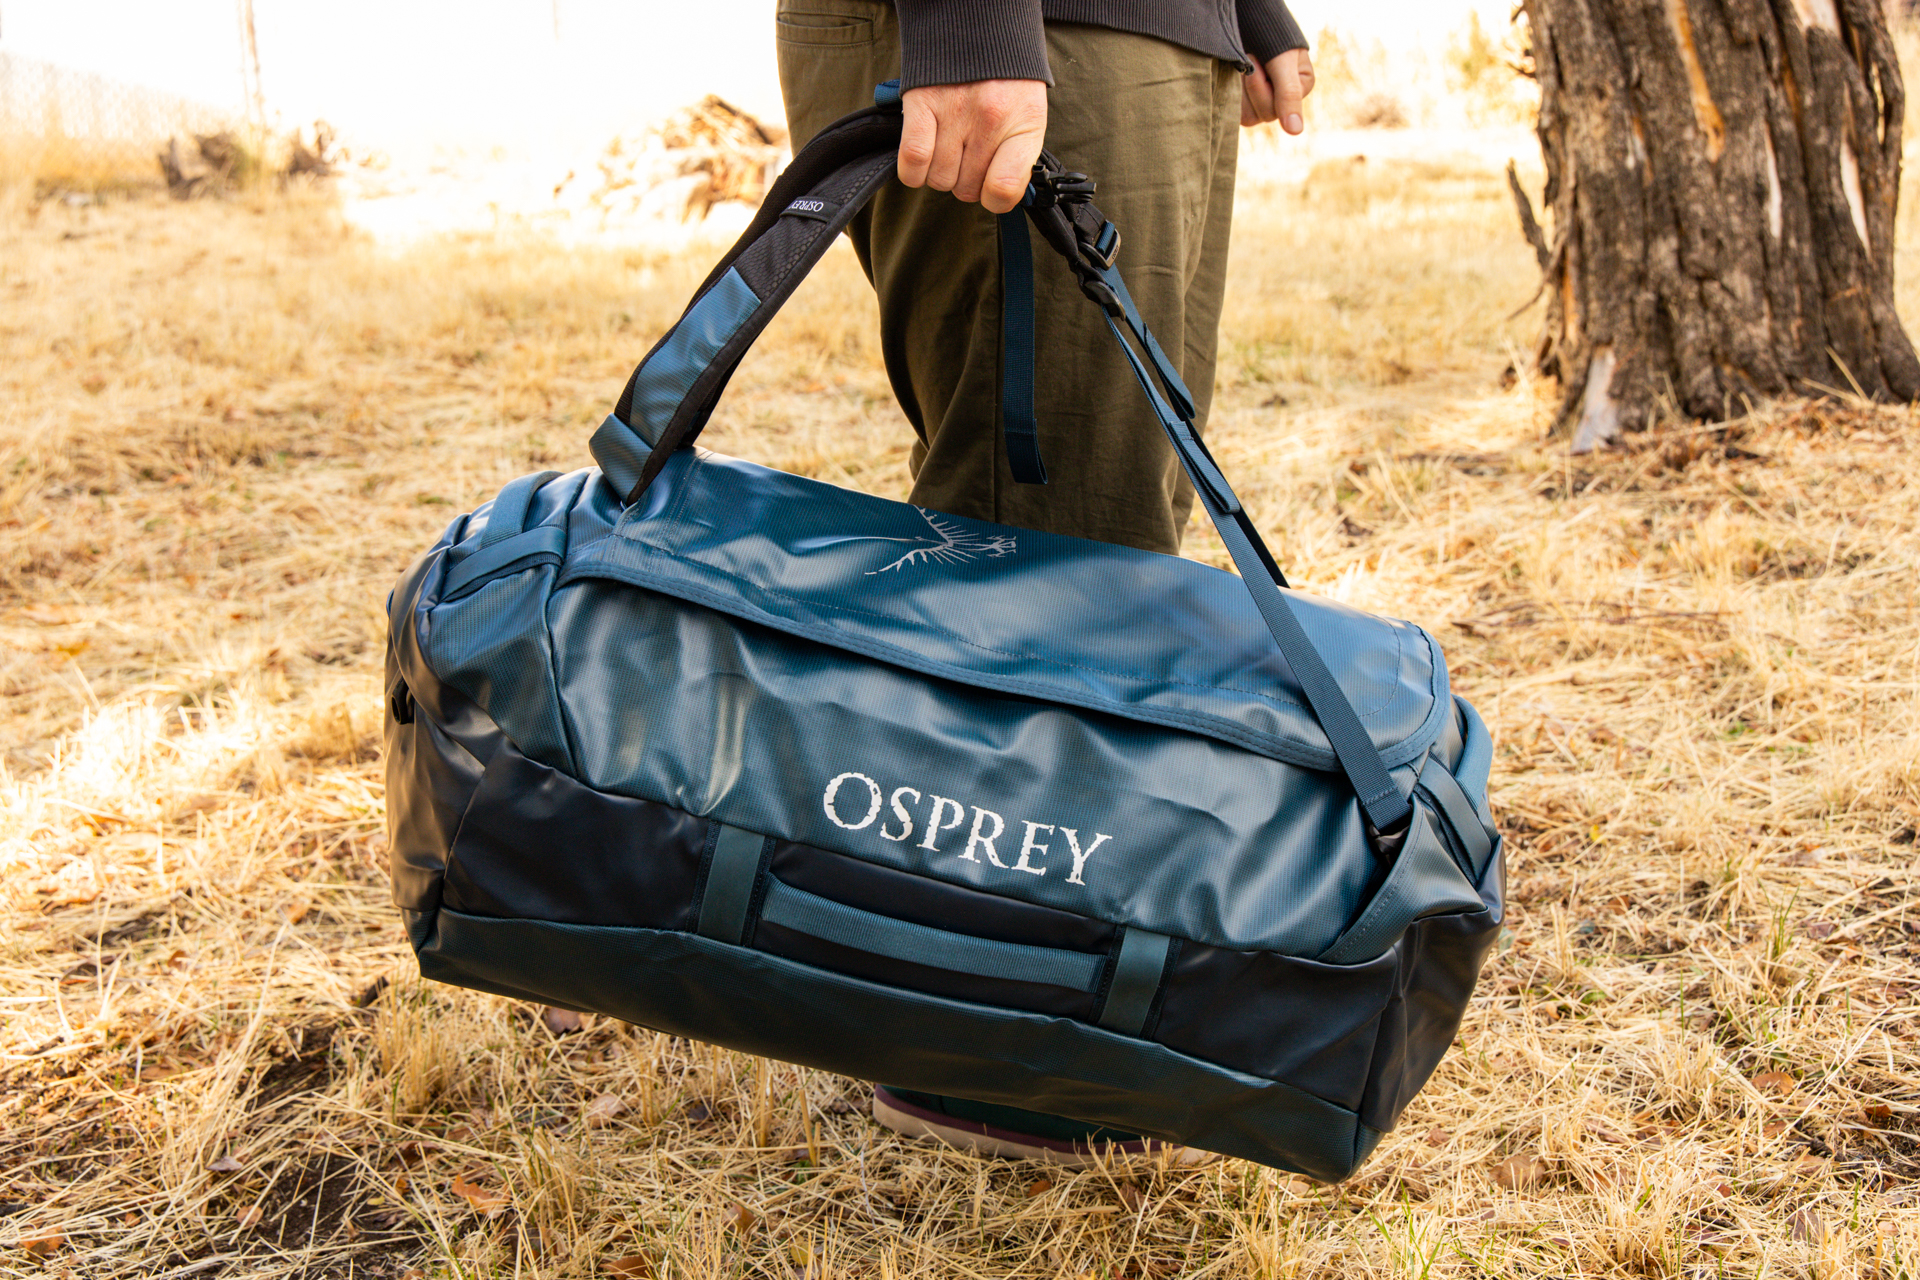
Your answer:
<point x="951" y="543"/>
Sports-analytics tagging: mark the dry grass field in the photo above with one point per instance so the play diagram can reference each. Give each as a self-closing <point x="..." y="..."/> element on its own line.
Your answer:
<point x="225" y="427"/>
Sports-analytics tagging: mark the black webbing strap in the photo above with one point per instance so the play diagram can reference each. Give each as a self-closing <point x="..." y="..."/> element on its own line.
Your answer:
<point x="1137" y="971"/>
<point x="1386" y="807"/>
<point x="732" y="875"/>
<point x="1017" y="423"/>
<point x="1061" y="206"/>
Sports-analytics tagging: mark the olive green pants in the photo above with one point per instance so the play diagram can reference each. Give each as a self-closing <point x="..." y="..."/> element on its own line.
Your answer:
<point x="1157" y="126"/>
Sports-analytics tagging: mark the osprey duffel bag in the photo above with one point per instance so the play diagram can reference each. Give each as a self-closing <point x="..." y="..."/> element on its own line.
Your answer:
<point x="971" y="809"/>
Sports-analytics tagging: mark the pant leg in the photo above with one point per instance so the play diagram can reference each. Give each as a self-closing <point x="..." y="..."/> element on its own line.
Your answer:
<point x="1157" y="126"/>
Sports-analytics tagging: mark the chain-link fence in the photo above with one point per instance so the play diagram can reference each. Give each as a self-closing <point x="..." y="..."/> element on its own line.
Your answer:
<point x="73" y="130"/>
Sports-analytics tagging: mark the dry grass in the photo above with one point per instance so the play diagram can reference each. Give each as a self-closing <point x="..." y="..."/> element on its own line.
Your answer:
<point x="227" y="427"/>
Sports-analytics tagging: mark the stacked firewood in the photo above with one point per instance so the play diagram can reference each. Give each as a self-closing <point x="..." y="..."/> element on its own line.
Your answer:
<point x="703" y="155"/>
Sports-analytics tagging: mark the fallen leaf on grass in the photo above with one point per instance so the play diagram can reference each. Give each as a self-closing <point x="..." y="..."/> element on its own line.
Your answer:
<point x="1519" y="1172"/>
<point x="250" y="1216"/>
<point x="1774" y="1128"/>
<point x="602" y="1110"/>
<point x="1777" y="1083"/>
<point x="1805" y="1227"/>
<point x="634" y="1264"/>
<point x="81" y="974"/>
<point x="1130" y="1196"/>
<point x="1878" y="1111"/>
<point x="1807" y="1162"/>
<point x="801" y="1252"/>
<point x="205" y="803"/>
<point x="481" y="1199"/>
<point x="1606" y="1133"/>
<point x="297" y="910"/>
<point x="1819" y="930"/>
<point x="1438" y="1137"/>
<point x="44" y="1246"/>
<point x="1038" y="1187"/>
<point x="153" y="1071"/>
<point x="742" y="1217"/>
<point x="226" y="1164"/>
<point x="562" y="1022"/>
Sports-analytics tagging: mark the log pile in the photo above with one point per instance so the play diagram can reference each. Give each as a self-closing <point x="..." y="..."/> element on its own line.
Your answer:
<point x="703" y="155"/>
<point x="224" y="161"/>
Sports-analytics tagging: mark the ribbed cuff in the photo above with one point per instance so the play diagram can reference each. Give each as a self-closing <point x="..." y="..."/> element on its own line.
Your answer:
<point x="960" y="41"/>
<point x="1267" y="29"/>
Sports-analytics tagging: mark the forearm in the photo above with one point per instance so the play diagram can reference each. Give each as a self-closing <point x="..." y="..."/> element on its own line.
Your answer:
<point x="1268" y="29"/>
<point x="961" y="41"/>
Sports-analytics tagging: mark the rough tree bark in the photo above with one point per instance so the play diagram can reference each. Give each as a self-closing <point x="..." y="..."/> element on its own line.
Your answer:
<point x="1723" y="176"/>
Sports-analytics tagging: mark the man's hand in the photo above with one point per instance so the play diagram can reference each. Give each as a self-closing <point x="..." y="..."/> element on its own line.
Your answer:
<point x="976" y="140"/>
<point x="1275" y="91"/>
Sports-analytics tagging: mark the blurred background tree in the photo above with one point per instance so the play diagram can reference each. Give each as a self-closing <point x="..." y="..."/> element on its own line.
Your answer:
<point x="1723" y="177"/>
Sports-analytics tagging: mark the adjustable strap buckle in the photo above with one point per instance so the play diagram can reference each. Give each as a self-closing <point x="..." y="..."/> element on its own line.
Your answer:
<point x="1097" y="240"/>
<point x="1104" y="248"/>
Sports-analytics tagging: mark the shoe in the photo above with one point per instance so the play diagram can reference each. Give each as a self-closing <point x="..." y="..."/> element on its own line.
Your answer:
<point x="991" y="1130"/>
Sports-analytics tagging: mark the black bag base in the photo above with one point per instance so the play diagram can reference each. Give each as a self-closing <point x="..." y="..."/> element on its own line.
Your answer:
<point x="753" y="1002"/>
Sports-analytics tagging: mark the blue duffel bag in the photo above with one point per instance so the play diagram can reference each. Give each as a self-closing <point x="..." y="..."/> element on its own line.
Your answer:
<point x="972" y="809"/>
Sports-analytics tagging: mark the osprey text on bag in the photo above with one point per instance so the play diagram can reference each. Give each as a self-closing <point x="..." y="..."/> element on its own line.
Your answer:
<point x="977" y="810"/>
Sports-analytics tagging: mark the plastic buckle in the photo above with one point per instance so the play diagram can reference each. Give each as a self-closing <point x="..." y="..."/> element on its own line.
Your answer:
<point x="1104" y="249"/>
<point x="1097" y="290"/>
<point x="1048" y="187"/>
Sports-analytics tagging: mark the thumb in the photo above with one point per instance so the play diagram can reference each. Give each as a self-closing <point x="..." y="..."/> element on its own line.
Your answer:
<point x="1288" y="93"/>
<point x="1010" y="170"/>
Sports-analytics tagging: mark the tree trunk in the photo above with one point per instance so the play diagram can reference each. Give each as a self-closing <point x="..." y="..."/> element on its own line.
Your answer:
<point x="1722" y="176"/>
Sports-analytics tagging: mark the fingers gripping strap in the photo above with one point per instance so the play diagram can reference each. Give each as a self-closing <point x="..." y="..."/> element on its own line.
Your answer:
<point x="1017" y="424"/>
<point x="1385" y="806"/>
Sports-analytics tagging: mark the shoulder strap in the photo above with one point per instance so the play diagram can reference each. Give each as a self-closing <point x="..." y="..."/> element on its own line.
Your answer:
<point x="670" y="396"/>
